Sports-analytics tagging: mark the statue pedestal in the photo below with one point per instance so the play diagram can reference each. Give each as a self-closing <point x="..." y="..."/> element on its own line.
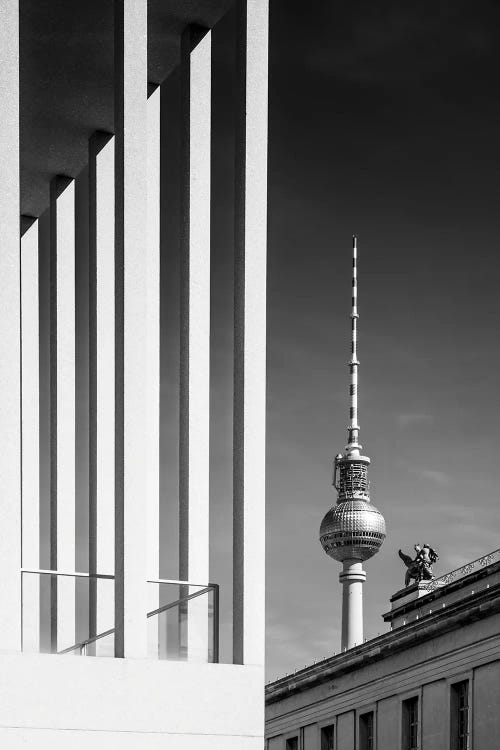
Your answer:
<point x="424" y="599"/>
<point x="410" y="593"/>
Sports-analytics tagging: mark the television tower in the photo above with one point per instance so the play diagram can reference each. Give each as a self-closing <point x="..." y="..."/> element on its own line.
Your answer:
<point x="353" y="530"/>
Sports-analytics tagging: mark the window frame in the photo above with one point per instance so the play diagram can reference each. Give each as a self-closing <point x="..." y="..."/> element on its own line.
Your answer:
<point x="366" y="709"/>
<point x="452" y="682"/>
<point x="323" y="725"/>
<point x="403" y="698"/>
<point x="294" y="734"/>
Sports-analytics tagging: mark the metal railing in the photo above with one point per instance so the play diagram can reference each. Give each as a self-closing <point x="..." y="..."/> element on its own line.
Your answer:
<point x="82" y="647"/>
<point x="464" y="570"/>
<point x="66" y="573"/>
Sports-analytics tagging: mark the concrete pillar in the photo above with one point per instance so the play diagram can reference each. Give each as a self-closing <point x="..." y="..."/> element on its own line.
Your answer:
<point x="131" y="324"/>
<point x="195" y="332"/>
<point x="10" y="329"/>
<point x="62" y="406"/>
<point x="158" y="631"/>
<point x="30" y="434"/>
<point x="102" y="381"/>
<point x="352" y="578"/>
<point x="250" y="334"/>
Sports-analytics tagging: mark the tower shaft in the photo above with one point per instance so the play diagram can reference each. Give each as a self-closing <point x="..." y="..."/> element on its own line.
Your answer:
<point x="352" y="578"/>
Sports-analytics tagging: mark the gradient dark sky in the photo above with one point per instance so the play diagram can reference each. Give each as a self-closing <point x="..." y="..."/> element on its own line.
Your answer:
<point x="384" y="121"/>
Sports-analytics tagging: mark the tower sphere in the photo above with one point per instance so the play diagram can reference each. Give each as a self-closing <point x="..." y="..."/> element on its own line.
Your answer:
<point x="352" y="530"/>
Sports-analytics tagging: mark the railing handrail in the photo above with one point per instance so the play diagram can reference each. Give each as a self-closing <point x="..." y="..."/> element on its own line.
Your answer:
<point x="171" y="605"/>
<point x="109" y="576"/>
<point x="179" y="583"/>
<point x="70" y="574"/>
<point x="81" y="645"/>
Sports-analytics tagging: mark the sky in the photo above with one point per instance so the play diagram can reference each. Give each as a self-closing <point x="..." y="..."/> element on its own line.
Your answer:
<point x="384" y="122"/>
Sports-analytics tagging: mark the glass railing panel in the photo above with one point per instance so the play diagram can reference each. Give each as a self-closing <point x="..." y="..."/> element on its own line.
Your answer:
<point x="183" y="622"/>
<point x="61" y="612"/>
<point x="73" y="614"/>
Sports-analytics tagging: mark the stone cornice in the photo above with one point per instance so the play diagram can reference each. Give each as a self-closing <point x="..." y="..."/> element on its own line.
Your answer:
<point x="478" y="606"/>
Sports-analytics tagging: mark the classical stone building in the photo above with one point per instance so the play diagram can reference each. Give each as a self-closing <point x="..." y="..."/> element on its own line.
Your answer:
<point x="431" y="683"/>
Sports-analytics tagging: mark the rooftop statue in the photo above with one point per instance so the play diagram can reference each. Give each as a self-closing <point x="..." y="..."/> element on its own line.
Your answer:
<point x="419" y="569"/>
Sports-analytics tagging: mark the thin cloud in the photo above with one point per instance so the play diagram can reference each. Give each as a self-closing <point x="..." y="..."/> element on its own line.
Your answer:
<point x="411" y="420"/>
<point x="441" y="478"/>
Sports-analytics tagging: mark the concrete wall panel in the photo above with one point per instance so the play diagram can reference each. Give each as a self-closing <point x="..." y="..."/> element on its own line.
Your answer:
<point x="276" y="743"/>
<point x="435" y="715"/>
<point x="346" y="731"/>
<point x="310" y="737"/>
<point x="10" y="322"/>
<point x="130" y="695"/>
<point x="388" y="723"/>
<point x="27" y="739"/>
<point x="486" y="707"/>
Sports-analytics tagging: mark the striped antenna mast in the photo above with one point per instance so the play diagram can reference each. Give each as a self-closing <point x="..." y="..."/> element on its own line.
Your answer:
<point x="353" y="447"/>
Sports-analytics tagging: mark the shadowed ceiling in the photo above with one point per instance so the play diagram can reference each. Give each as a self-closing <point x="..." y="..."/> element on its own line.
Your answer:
<point x="66" y="79"/>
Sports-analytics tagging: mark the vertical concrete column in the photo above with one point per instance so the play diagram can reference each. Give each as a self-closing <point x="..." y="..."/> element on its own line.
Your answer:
<point x="101" y="379"/>
<point x="131" y="321"/>
<point x="352" y="578"/>
<point x="153" y="361"/>
<point x="10" y="329"/>
<point x="62" y="406"/>
<point x="195" y="330"/>
<point x="30" y="438"/>
<point x="250" y="334"/>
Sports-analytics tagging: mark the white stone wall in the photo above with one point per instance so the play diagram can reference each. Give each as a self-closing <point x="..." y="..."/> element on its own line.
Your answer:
<point x="61" y="702"/>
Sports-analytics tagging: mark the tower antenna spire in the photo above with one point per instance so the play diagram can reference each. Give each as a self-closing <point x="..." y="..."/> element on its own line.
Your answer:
<point x="353" y="447"/>
<point x="353" y="530"/>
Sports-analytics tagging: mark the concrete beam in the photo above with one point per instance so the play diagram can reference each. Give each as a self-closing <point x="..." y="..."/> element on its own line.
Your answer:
<point x="195" y="329"/>
<point x="31" y="438"/>
<point x="131" y="322"/>
<point x="101" y="379"/>
<point x="250" y="334"/>
<point x="62" y="406"/>
<point x="153" y="334"/>
<point x="157" y="630"/>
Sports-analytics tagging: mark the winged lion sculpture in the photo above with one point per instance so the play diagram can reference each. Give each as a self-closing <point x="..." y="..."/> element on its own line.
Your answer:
<point x="420" y="568"/>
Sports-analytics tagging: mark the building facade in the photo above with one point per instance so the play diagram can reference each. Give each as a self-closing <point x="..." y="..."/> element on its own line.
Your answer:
<point x="87" y="117"/>
<point x="431" y="683"/>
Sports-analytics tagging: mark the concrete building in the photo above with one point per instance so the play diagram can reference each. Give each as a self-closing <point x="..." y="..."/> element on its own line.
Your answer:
<point x="431" y="683"/>
<point x="86" y="120"/>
